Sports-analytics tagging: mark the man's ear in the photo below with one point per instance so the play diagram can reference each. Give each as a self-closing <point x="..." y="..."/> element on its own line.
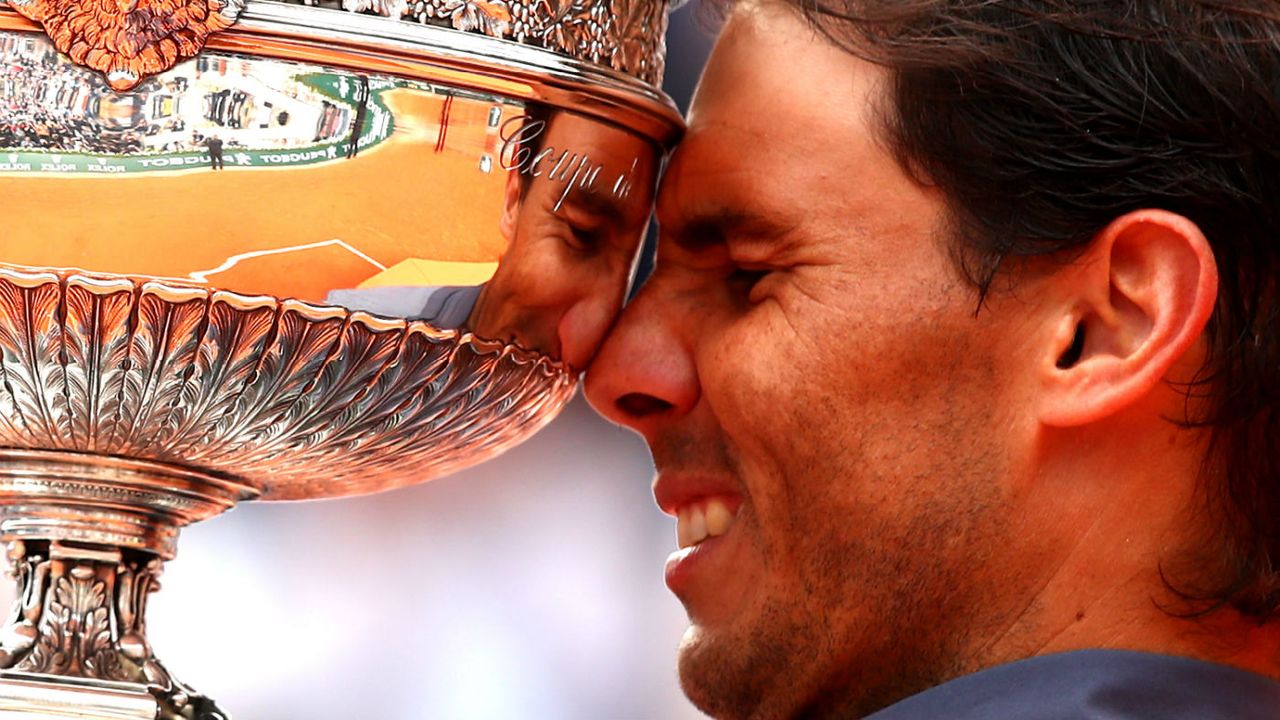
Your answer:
<point x="1129" y="309"/>
<point x="510" y="207"/>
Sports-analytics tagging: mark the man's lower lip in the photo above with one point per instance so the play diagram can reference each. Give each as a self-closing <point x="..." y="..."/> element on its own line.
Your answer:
<point x="683" y="564"/>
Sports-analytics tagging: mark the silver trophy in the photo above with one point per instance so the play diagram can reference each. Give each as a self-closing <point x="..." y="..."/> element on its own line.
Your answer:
<point x="272" y="251"/>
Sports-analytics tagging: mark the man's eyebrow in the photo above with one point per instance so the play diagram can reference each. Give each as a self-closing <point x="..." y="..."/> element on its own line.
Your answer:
<point x="717" y="226"/>
<point x="597" y="204"/>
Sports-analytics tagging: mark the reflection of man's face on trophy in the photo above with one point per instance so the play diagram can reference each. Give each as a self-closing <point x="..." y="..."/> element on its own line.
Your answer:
<point x="576" y="202"/>
<point x="298" y="328"/>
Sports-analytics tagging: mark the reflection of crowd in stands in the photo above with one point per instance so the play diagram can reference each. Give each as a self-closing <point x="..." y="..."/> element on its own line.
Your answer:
<point x="52" y="104"/>
<point x="49" y="103"/>
<point x="225" y="107"/>
<point x="235" y="108"/>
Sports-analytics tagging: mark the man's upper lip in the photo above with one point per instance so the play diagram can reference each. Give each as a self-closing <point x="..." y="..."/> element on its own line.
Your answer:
<point x="673" y="490"/>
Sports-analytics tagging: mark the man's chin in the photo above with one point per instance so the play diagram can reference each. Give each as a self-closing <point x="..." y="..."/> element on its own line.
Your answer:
<point x="696" y="678"/>
<point x="722" y="676"/>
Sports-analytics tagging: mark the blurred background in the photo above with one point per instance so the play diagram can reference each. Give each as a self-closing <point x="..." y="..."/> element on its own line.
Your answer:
<point x="529" y="587"/>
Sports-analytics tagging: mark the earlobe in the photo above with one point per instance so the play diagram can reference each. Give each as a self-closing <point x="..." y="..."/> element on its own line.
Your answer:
<point x="1132" y="306"/>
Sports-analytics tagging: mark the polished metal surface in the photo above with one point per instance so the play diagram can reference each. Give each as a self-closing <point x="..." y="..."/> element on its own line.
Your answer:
<point x="332" y="254"/>
<point x="626" y="35"/>
<point x="96" y="498"/>
<point x="62" y="699"/>
<point x="513" y="219"/>
<point x="129" y="42"/>
<point x="434" y="54"/>
<point x="291" y="400"/>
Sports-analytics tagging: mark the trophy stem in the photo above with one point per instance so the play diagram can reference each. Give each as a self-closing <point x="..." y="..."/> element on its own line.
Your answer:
<point x="87" y="537"/>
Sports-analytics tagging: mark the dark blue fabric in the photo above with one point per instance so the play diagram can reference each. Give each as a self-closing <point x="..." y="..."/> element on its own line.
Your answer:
<point x="1097" y="685"/>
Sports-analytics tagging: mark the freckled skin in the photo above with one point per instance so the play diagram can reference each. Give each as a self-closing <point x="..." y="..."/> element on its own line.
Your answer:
<point x="851" y="396"/>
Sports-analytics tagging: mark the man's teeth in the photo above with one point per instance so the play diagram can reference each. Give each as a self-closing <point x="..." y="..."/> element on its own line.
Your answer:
<point x="698" y="521"/>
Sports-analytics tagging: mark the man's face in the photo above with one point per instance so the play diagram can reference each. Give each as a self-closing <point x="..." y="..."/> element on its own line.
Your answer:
<point x="807" y="357"/>
<point x="570" y="244"/>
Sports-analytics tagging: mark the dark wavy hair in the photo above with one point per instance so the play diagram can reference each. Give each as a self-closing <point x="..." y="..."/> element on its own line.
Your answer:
<point x="1043" y="120"/>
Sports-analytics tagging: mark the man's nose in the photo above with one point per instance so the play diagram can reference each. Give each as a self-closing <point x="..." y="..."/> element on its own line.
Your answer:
<point x="644" y="374"/>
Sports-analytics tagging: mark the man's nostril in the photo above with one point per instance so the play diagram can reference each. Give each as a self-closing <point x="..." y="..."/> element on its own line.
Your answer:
<point x="641" y="405"/>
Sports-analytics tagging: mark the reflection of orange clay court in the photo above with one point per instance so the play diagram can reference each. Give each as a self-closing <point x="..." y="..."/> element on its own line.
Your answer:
<point x="339" y="223"/>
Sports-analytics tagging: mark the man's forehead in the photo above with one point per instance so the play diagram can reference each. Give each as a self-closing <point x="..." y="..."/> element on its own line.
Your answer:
<point x="785" y="129"/>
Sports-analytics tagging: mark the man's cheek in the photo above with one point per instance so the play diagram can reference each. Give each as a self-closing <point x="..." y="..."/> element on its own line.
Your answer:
<point x="582" y="326"/>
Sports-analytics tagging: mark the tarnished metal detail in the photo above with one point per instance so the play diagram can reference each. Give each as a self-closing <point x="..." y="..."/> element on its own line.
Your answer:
<point x="80" y="614"/>
<point x="130" y="41"/>
<point x="256" y="389"/>
<point x="625" y="35"/>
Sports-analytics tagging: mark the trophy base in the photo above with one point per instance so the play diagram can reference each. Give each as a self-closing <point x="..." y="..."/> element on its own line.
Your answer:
<point x="42" y="698"/>
<point x="87" y="537"/>
<point x="75" y="645"/>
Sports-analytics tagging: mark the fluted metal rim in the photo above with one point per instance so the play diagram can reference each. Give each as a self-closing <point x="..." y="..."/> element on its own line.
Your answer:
<point x="295" y="400"/>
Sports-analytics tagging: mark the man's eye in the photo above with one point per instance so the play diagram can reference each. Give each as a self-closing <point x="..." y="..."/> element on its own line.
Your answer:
<point x="742" y="280"/>
<point x="586" y="239"/>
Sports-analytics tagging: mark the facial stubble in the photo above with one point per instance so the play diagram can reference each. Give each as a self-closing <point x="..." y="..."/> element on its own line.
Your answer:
<point x="885" y="608"/>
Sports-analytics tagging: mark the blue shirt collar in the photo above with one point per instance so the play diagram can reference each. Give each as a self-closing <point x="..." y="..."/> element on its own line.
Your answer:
<point x="1097" y="685"/>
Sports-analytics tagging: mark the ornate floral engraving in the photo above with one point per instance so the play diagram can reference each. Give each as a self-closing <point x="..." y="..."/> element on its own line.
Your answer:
<point x="96" y="315"/>
<point x="30" y="346"/>
<point x="638" y="32"/>
<point x="385" y="8"/>
<point x="491" y="18"/>
<point x="162" y="350"/>
<point x="74" y="631"/>
<point x="80" y="612"/>
<point x="295" y="400"/>
<point x="132" y="39"/>
<point x="626" y="35"/>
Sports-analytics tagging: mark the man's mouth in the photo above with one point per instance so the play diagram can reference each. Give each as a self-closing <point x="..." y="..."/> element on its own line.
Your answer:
<point x="702" y="519"/>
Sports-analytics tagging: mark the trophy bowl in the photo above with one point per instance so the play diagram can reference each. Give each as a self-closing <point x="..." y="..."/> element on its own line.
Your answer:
<point x="277" y="251"/>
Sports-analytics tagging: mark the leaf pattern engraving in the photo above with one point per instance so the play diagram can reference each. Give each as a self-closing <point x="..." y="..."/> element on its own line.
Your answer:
<point x="15" y="389"/>
<point x="639" y="29"/>
<point x="294" y="400"/>
<point x="84" y="617"/>
<point x="489" y="17"/>
<point x="163" y="346"/>
<point x="236" y="335"/>
<point x="96" y="347"/>
<point x="75" y="629"/>
<point x="30" y="349"/>
<point x="385" y="8"/>
<point x="288" y="370"/>
<point x="360" y="356"/>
